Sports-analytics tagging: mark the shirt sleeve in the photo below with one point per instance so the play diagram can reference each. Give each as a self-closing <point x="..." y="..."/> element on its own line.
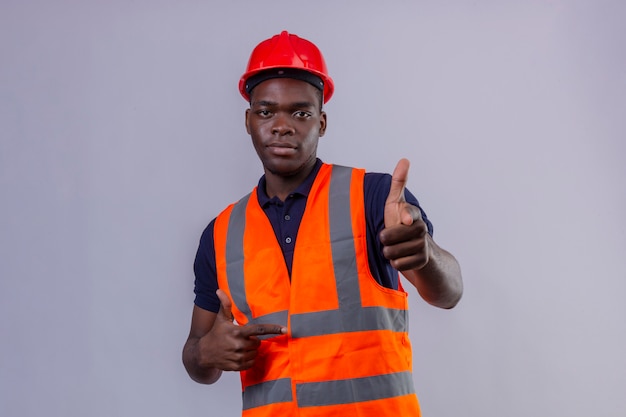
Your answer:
<point x="206" y="273"/>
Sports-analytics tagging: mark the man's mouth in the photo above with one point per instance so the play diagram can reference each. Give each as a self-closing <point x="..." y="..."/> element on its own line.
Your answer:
<point x="281" y="149"/>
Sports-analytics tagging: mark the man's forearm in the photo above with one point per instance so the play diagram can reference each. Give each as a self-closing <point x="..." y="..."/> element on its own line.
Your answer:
<point x="439" y="282"/>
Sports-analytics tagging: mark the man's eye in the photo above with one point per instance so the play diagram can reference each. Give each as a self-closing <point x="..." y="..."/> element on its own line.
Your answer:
<point x="302" y="114"/>
<point x="263" y="113"/>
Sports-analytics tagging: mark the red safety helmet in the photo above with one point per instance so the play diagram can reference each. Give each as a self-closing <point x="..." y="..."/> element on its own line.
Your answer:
<point x="287" y="51"/>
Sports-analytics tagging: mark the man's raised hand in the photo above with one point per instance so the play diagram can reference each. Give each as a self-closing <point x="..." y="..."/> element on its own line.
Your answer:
<point x="404" y="237"/>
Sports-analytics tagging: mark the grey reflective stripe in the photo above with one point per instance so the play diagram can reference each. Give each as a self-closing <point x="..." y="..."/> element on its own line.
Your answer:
<point x="342" y="238"/>
<point x="234" y="256"/>
<point x="345" y="391"/>
<point x="339" y="321"/>
<point x="270" y="392"/>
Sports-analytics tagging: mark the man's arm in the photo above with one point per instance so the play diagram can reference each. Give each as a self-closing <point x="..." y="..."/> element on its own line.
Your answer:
<point x="410" y="249"/>
<point x="439" y="281"/>
<point x="199" y="368"/>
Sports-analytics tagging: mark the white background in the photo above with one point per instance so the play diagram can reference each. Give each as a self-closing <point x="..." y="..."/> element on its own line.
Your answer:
<point x="122" y="136"/>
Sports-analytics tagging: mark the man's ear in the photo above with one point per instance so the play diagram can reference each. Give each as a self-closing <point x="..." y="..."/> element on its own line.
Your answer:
<point x="323" y="123"/>
<point x="248" y="121"/>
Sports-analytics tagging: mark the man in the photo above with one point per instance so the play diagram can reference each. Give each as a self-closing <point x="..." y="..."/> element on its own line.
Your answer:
<point x="307" y="263"/>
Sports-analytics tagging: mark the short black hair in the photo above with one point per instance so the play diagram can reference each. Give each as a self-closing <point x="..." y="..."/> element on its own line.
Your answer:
<point x="318" y="93"/>
<point x="295" y="73"/>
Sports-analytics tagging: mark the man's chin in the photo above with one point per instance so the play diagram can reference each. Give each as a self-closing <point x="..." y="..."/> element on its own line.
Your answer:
<point x="282" y="172"/>
<point x="284" y="168"/>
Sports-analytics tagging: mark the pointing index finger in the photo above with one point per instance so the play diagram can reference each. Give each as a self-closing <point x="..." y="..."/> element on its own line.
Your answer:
<point x="262" y="329"/>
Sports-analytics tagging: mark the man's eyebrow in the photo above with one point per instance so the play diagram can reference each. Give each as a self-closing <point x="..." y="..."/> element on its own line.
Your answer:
<point x="301" y="104"/>
<point x="294" y="105"/>
<point x="264" y="103"/>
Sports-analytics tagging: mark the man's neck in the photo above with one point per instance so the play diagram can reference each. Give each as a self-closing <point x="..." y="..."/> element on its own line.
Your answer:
<point x="281" y="186"/>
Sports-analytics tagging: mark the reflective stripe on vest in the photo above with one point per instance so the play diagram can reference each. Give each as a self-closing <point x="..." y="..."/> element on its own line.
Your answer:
<point x="268" y="392"/>
<point x="351" y="316"/>
<point x="314" y="394"/>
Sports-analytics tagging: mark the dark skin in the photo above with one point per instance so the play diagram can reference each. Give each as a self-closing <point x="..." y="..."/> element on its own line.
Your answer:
<point x="285" y="122"/>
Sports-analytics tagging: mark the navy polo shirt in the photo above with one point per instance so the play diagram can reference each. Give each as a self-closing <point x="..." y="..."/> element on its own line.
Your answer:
<point x="285" y="217"/>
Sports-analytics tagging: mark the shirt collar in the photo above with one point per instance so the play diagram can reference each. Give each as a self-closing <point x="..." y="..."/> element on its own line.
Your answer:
<point x="302" y="190"/>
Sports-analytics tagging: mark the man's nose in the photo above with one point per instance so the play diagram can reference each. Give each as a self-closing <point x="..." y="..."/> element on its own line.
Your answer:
<point x="282" y="125"/>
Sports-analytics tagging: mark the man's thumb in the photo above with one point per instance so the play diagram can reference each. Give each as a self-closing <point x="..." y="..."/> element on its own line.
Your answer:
<point x="394" y="204"/>
<point x="225" y="309"/>
<point x="398" y="181"/>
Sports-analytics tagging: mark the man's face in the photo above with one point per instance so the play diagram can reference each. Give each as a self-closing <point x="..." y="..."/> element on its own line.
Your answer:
<point x="285" y="123"/>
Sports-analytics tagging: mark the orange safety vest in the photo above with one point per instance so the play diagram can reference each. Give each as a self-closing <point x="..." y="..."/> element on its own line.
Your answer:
<point x="347" y="351"/>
